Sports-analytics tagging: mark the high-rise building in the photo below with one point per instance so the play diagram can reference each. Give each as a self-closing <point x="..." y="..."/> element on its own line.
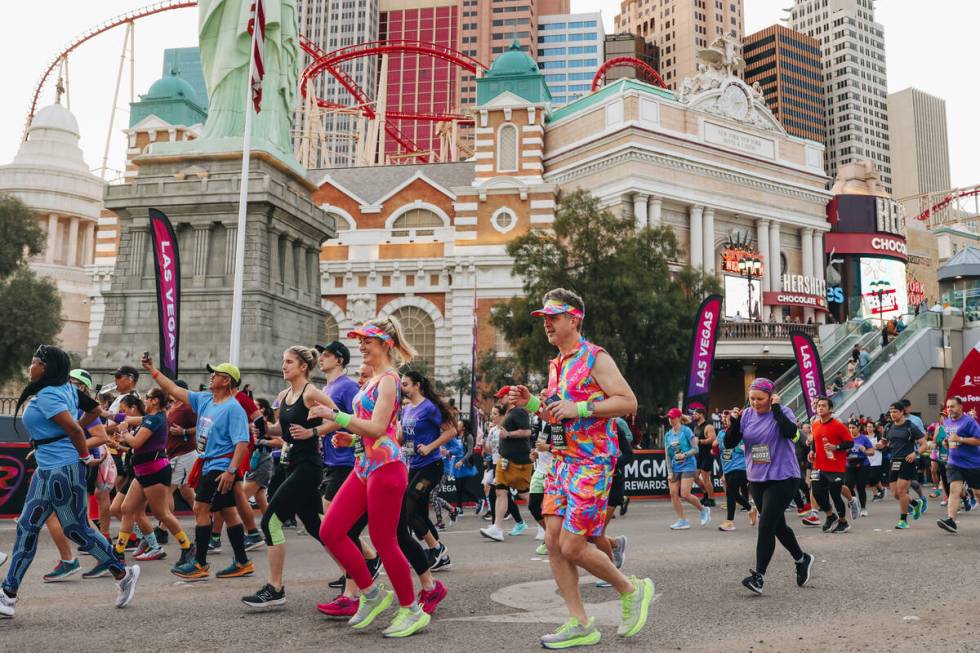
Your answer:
<point x="334" y="24"/>
<point x="186" y="64"/>
<point x="917" y="120"/>
<point x="680" y="28"/>
<point x="855" y="86"/>
<point x="418" y="83"/>
<point x="787" y="66"/>
<point x="569" y="53"/>
<point x="489" y="27"/>
<point x="630" y="45"/>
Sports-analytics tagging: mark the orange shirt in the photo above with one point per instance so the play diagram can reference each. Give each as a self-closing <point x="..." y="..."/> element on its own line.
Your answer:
<point x="833" y="432"/>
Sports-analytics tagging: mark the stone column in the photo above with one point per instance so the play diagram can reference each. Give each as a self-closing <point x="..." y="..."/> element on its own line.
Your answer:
<point x="655" y="213"/>
<point x="231" y="245"/>
<point x="299" y="258"/>
<point x="762" y="236"/>
<point x="806" y="248"/>
<point x="49" y="252"/>
<point x="288" y="270"/>
<point x="313" y="269"/>
<point x="275" y="270"/>
<point x="819" y="267"/>
<point x="88" y="248"/>
<point x="775" y="247"/>
<point x="748" y="376"/>
<point x="640" y="210"/>
<point x="139" y="253"/>
<point x="72" y="242"/>
<point x="709" y="240"/>
<point x="202" y="238"/>
<point x="696" y="246"/>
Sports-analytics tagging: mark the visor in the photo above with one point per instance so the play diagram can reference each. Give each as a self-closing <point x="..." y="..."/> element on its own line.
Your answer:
<point x="556" y="307"/>
<point x="368" y="330"/>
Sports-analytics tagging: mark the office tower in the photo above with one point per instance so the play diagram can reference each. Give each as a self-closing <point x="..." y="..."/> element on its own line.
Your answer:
<point x="569" y="53"/>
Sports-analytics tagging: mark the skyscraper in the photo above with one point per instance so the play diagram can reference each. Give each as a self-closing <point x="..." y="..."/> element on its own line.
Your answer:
<point x="569" y="53"/>
<point x="855" y="86"/>
<point x="679" y="28"/>
<point x="917" y="120"/>
<point x="788" y="68"/>
<point x="334" y="24"/>
<point x="630" y="45"/>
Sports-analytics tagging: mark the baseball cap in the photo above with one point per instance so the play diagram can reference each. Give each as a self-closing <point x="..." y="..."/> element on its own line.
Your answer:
<point x="336" y="348"/>
<point x="226" y="368"/>
<point x="82" y="377"/>
<point x="503" y="392"/>
<point x="674" y="413"/>
<point x="557" y="307"/>
<point x="127" y="370"/>
<point x="181" y="383"/>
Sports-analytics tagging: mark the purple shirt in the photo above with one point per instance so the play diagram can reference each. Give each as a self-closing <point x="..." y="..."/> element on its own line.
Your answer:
<point x="762" y="439"/>
<point x="963" y="455"/>
<point x="342" y="391"/>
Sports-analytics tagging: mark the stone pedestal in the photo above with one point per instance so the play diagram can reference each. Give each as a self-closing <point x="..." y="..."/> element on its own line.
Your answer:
<point x="199" y="193"/>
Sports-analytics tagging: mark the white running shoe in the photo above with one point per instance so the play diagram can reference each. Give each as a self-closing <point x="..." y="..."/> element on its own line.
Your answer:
<point x="539" y="536"/>
<point x="127" y="586"/>
<point x="7" y="604"/>
<point x="493" y="532"/>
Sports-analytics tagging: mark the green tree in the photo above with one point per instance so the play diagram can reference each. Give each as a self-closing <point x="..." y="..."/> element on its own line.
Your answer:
<point x="30" y="307"/>
<point x="640" y="303"/>
<point x="459" y="383"/>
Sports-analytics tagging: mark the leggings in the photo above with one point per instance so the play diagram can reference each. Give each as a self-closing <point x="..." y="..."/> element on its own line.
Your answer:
<point x="61" y="491"/>
<point x="380" y="495"/>
<point x="421" y="483"/>
<point x="771" y="498"/>
<point x="439" y="504"/>
<point x="942" y="477"/>
<point x="298" y="495"/>
<point x="736" y="491"/>
<point x="827" y="488"/>
<point x="856" y="478"/>
<point x="465" y="489"/>
<point x="534" y="501"/>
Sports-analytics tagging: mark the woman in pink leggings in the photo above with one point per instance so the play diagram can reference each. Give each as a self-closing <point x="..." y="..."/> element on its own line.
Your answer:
<point x="378" y="483"/>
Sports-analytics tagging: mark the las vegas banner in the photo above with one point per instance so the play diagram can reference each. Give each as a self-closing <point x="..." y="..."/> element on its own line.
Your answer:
<point x="697" y="390"/>
<point x="811" y="370"/>
<point x="167" y="267"/>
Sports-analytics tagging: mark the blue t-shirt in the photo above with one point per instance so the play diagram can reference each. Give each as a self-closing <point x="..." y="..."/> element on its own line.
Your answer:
<point x="856" y="455"/>
<point x="219" y="428"/>
<point x="963" y="455"/>
<point x="342" y="391"/>
<point x="681" y="442"/>
<point x="732" y="460"/>
<point x="421" y="425"/>
<point x="39" y="422"/>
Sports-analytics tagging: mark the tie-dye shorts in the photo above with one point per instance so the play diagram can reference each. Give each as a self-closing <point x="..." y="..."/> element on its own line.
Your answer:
<point x="578" y="492"/>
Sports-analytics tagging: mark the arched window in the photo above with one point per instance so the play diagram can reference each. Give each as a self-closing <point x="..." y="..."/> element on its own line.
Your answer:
<point x="332" y="329"/>
<point x="416" y="222"/>
<point x="507" y="149"/>
<point x="420" y="332"/>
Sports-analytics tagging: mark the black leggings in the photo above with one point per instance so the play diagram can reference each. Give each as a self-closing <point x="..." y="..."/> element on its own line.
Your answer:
<point x="534" y="501"/>
<point x="421" y="482"/>
<point x="942" y="476"/>
<point x="299" y="495"/>
<point x="771" y="498"/>
<point x="464" y="488"/>
<point x="512" y="508"/>
<point x="827" y="488"/>
<point x="856" y="478"/>
<point x="736" y="491"/>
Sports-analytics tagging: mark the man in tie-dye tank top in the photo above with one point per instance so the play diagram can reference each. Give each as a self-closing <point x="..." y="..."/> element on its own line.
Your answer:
<point x="585" y="393"/>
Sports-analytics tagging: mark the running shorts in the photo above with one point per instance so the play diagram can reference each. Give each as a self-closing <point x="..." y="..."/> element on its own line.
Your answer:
<point x="675" y="476"/>
<point x="900" y="469"/>
<point x="160" y="477"/>
<point x="579" y="493"/>
<point x="514" y="476"/>
<point x="706" y="462"/>
<point x="207" y="491"/>
<point x="261" y="473"/>
<point x="537" y="482"/>
<point x="182" y="466"/>
<point x="968" y="475"/>
<point x="333" y="477"/>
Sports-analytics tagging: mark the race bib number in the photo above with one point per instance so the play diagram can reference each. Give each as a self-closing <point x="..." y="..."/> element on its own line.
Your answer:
<point x="203" y="428"/>
<point x="760" y="454"/>
<point x="896" y="465"/>
<point x="358" y="444"/>
<point x="943" y="456"/>
<point x="726" y="455"/>
<point x="408" y="449"/>
<point x="558" y="436"/>
<point x="815" y="475"/>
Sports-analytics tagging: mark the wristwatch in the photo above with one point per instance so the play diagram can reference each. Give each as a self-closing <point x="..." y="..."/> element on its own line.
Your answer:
<point x="314" y="430"/>
<point x="590" y="406"/>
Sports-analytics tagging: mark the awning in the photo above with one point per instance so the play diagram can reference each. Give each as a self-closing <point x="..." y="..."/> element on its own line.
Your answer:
<point x="965" y="263"/>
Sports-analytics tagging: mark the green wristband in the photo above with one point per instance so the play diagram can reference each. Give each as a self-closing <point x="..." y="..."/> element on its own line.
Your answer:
<point x="533" y="404"/>
<point x="583" y="409"/>
<point x="343" y="419"/>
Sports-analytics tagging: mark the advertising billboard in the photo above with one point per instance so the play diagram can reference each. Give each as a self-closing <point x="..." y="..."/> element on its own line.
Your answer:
<point x="884" y="293"/>
<point x="737" y="298"/>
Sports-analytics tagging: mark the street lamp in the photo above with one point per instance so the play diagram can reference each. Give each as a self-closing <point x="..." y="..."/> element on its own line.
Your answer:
<point x="749" y="267"/>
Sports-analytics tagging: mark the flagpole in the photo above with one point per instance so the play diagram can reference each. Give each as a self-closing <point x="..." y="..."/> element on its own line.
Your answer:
<point x="236" y="302"/>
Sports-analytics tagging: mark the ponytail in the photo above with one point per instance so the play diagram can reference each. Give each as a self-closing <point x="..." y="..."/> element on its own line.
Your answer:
<point x="306" y="355"/>
<point x="56" y="368"/>
<point x="425" y="386"/>
<point x="133" y="401"/>
<point x="403" y="351"/>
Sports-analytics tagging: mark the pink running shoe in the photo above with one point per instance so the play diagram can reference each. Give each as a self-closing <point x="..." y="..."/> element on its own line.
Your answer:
<point x="342" y="606"/>
<point x="430" y="600"/>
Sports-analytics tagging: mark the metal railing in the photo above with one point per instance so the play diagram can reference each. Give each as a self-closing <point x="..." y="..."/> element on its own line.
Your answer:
<point x="763" y="330"/>
<point x="7" y="405"/>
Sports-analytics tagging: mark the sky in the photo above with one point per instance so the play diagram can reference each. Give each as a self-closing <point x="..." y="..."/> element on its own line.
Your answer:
<point x="924" y="49"/>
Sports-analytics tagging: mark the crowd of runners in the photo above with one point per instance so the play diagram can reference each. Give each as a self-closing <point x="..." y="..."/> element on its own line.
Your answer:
<point x="361" y="465"/>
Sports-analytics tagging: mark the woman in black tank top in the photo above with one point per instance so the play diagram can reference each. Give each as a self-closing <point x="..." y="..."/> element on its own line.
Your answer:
<point x="299" y="494"/>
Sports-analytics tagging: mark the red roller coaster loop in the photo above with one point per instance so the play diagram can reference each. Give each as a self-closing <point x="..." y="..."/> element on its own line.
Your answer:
<point x="633" y="62"/>
<point x="946" y="201"/>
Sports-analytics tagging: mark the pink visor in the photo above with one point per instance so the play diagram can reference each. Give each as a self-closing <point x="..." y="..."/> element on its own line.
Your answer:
<point x="368" y="330"/>
<point x="556" y="307"/>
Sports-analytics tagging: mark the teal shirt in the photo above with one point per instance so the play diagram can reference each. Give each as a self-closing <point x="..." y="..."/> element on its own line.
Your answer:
<point x="681" y="442"/>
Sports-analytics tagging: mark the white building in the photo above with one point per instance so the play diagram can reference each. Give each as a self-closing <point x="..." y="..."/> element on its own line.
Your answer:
<point x="917" y="120"/>
<point x="855" y="85"/>
<point x="570" y="53"/>
<point x="50" y="176"/>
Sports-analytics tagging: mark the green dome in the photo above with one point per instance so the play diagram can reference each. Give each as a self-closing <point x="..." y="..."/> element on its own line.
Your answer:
<point x="513" y="62"/>
<point x="172" y="87"/>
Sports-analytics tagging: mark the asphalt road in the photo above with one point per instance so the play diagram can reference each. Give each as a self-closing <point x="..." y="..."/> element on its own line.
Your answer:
<point x="873" y="589"/>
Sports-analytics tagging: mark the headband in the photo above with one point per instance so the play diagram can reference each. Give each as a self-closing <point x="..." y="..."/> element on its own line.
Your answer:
<point x="763" y="384"/>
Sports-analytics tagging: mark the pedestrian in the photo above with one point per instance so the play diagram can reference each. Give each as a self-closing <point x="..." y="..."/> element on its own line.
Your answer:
<point x="681" y="447"/>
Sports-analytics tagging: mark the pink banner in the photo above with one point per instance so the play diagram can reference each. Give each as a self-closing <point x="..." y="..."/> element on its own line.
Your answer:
<point x="167" y="260"/>
<point x="811" y="370"/>
<point x="705" y="337"/>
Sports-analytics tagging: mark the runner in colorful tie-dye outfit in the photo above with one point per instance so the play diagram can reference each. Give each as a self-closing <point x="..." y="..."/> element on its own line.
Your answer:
<point x="378" y="483"/>
<point x="585" y="393"/>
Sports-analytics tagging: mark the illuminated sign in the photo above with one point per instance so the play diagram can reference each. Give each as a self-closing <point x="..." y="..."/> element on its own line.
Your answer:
<point x="884" y="293"/>
<point x="866" y="244"/>
<point x="797" y="283"/>
<point x="730" y="257"/>
<point x="786" y="298"/>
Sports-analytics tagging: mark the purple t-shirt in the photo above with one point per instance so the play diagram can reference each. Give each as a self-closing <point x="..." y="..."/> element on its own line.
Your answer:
<point x="963" y="455"/>
<point x="342" y="391"/>
<point x="763" y="442"/>
<point x="421" y="425"/>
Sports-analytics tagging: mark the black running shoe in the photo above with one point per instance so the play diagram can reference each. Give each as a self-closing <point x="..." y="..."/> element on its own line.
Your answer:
<point x="340" y="582"/>
<point x="803" y="568"/>
<point x="948" y="525"/>
<point x="266" y="598"/>
<point x="829" y="523"/>
<point x="841" y="527"/>
<point x="754" y="581"/>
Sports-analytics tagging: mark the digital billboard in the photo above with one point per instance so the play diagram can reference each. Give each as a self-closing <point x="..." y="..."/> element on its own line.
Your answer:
<point x="884" y="293"/>
<point x="737" y="297"/>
